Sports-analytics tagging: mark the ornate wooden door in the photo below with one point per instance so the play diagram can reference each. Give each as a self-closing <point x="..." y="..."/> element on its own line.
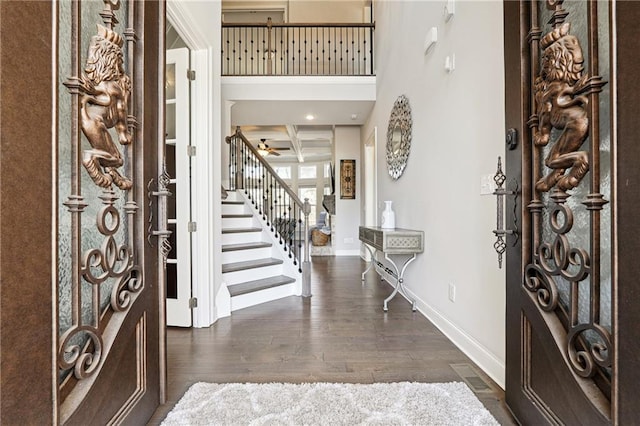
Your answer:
<point x="564" y="290"/>
<point x="111" y="194"/>
<point x="81" y="110"/>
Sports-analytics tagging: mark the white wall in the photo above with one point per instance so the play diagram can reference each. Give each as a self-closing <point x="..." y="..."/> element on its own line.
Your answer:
<point x="458" y="127"/>
<point x="345" y="228"/>
<point x="327" y="11"/>
<point x="307" y="10"/>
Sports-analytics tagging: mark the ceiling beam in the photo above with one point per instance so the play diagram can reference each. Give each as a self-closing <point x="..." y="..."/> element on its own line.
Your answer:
<point x="295" y="142"/>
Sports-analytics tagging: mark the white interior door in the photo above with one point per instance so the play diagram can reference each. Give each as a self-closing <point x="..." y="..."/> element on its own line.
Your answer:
<point x="177" y="142"/>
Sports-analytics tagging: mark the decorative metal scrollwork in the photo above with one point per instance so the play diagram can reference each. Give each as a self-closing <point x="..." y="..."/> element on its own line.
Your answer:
<point x="500" y="245"/>
<point x="110" y="261"/>
<point x="163" y="234"/>
<point x="562" y="94"/>
<point x="83" y="358"/>
<point x="105" y="90"/>
<point x="99" y="101"/>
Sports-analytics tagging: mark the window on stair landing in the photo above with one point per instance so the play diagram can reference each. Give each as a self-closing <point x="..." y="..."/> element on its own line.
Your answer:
<point x="310" y="192"/>
<point x="283" y="171"/>
<point x="307" y="172"/>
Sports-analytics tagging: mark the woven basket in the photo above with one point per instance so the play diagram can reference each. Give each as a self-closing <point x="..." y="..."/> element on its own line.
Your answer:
<point x="319" y="238"/>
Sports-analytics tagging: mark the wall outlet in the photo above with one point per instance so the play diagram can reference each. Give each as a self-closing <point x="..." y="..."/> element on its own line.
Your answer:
<point x="348" y="240"/>
<point x="452" y="292"/>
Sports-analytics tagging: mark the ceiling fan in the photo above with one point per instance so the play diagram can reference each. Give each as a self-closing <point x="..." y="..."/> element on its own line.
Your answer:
<point x="263" y="149"/>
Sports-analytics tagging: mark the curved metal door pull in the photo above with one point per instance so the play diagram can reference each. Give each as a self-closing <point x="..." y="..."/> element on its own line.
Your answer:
<point x="500" y="246"/>
<point x="163" y="233"/>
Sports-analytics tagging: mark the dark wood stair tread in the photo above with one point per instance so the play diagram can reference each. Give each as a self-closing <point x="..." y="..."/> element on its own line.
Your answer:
<point x="233" y="202"/>
<point x="245" y="246"/>
<point x="234" y="216"/>
<point x="257" y="285"/>
<point x="240" y="230"/>
<point x="250" y="264"/>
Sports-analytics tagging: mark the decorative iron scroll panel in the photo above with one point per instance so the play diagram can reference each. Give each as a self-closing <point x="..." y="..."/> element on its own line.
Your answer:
<point x="99" y="273"/>
<point x="570" y="273"/>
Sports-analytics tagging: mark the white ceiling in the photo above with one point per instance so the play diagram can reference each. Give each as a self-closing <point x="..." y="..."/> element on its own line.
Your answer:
<point x="305" y="143"/>
<point x="284" y="125"/>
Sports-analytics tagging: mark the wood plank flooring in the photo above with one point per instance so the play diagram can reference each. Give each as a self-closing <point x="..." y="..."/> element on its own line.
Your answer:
<point x="340" y="334"/>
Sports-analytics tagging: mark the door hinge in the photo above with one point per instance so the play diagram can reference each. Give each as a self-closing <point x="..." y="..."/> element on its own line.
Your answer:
<point x="192" y="227"/>
<point x="191" y="75"/>
<point x="191" y="150"/>
<point x="193" y="302"/>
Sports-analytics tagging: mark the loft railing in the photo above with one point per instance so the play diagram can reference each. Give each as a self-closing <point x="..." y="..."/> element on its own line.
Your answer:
<point x="297" y="49"/>
<point x="282" y="210"/>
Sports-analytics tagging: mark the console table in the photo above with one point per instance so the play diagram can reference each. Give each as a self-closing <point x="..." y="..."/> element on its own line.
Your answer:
<point x="395" y="241"/>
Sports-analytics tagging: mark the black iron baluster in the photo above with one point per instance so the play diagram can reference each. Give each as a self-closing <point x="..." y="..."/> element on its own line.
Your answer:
<point x="305" y="51"/>
<point x="341" y="51"/>
<point x="293" y="57"/>
<point x="301" y="236"/>
<point x="245" y="169"/>
<point x="317" y="48"/>
<point x="329" y="49"/>
<point x="243" y="36"/>
<point x="233" y="52"/>
<point x="251" y="51"/>
<point x="335" y="51"/>
<point x="271" y="209"/>
<point x="228" y="48"/>
<point x="254" y="179"/>
<point x="370" y="49"/>
<point x="353" y="52"/>
<point x="279" y="214"/>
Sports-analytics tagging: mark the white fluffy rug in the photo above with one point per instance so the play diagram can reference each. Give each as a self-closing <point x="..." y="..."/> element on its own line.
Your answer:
<point x="329" y="404"/>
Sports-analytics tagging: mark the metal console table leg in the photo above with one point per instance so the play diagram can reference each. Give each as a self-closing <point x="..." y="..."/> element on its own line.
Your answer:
<point x="399" y="284"/>
<point x="373" y="259"/>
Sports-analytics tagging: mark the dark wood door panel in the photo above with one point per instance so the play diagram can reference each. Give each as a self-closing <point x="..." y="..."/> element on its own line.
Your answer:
<point x="548" y="378"/>
<point x="126" y="381"/>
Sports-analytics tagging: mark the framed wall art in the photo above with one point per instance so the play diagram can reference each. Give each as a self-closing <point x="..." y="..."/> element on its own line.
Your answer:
<point x="348" y="179"/>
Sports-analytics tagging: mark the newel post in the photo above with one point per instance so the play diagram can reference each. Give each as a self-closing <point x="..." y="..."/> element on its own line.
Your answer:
<point x="306" y="264"/>
<point x="239" y="177"/>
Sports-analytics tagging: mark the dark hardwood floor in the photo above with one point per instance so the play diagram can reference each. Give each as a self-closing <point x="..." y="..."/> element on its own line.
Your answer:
<point x="340" y="334"/>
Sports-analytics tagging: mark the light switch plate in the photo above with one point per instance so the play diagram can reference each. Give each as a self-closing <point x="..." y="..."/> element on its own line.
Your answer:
<point x="487" y="185"/>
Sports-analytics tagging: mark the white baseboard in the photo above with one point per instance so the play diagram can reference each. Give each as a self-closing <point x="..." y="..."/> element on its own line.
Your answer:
<point x="487" y="361"/>
<point x="355" y="252"/>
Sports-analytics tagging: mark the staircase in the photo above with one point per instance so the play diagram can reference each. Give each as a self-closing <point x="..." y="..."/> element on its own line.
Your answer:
<point x="255" y="266"/>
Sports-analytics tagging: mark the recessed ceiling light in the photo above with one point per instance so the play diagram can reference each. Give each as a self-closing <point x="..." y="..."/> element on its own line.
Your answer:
<point x="310" y="117"/>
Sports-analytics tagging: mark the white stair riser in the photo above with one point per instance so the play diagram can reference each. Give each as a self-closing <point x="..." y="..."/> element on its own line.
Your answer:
<point x="242" y="255"/>
<point x="234" y="209"/>
<point x="251" y="274"/>
<point x="238" y="222"/>
<point x="262" y="296"/>
<point x="233" y="196"/>
<point x="241" y="237"/>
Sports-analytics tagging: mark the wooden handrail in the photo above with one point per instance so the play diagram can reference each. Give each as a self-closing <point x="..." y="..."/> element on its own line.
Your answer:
<point x="298" y="25"/>
<point x="265" y="163"/>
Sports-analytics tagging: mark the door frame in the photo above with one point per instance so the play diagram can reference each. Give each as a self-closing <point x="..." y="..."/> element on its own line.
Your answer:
<point x="29" y="390"/>
<point x="625" y="192"/>
<point x="206" y="176"/>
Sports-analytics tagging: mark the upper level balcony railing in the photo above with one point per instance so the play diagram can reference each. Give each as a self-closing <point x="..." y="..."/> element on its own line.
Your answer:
<point x="337" y="49"/>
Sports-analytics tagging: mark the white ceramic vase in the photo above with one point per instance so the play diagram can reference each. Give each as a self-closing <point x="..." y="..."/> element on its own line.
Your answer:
<point x="388" y="216"/>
